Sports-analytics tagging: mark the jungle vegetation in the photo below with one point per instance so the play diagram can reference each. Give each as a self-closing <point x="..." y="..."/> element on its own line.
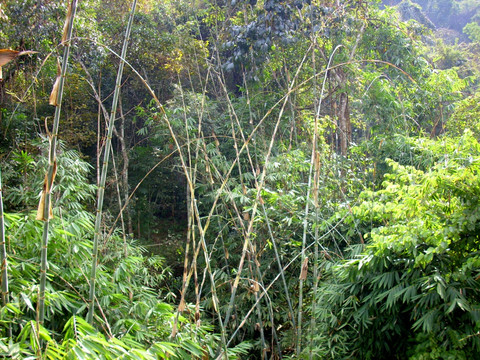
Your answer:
<point x="240" y="179"/>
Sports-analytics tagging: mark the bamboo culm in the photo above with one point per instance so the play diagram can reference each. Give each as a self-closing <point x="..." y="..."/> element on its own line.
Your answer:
<point x="103" y="177"/>
<point x="307" y="203"/>
<point x="52" y="161"/>
<point x="3" y="255"/>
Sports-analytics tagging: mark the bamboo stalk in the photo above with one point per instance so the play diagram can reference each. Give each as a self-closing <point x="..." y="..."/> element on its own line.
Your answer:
<point x="316" y="254"/>
<point x="120" y="205"/>
<point x="203" y="228"/>
<point x="315" y="203"/>
<point x="287" y="295"/>
<point x="3" y="255"/>
<point x="3" y="250"/>
<point x="240" y="220"/>
<point x="261" y="183"/>
<point x="315" y="195"/>
<point x="192" y="173"/>
<point x="307" y="199"/>
<point x="123" y="148"/>
<point x="280" y="267"/>
<point x="101" y="188"/>
<point x="44" y="211"/>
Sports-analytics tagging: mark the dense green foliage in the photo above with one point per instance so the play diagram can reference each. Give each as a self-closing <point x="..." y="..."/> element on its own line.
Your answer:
<point x="288" y="179"/>
<point x="416" y="280"/>
<point x="129" y="283"/>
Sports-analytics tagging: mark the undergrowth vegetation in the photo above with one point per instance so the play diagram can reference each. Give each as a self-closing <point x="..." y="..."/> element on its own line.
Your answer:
<point x="415" y="280"/>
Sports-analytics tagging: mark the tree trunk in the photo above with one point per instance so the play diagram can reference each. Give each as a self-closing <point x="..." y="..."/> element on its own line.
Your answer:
<point x="124" y="173"/>
<point x="344" y="129"/>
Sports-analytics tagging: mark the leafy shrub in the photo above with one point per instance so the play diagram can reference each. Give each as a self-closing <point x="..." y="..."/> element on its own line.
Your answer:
<point x="412" y="291"/>
<point x="133" y="322"/>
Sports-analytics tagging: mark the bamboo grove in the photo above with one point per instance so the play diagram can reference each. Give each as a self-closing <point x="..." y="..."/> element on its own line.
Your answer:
<point x="240" y="179"/>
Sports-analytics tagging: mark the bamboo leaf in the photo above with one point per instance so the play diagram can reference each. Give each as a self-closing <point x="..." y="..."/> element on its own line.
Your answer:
<point x="27" y="301"/>
<point x="193" y="348"/>
<point x="165" y="347"/>
<point x="12" y="308"/>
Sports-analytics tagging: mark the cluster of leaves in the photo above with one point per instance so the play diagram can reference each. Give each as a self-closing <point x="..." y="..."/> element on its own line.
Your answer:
<point x="465" y="115"/>
<point x="136" y="322"/>
<point x="412" y="290"/>
<point x="275" y="22"/>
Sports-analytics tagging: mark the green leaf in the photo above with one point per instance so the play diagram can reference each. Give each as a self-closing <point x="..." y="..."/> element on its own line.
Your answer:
<point x="27" y="301"/>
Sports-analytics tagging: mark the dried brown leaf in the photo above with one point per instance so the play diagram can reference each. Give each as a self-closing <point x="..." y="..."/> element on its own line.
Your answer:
<point x="41" y="204"/>
<point x="217" y="143"/>
<point x="50" y="212"/>
<point x="27" y="52"/>
<point x="54" y="173"/>
<point x="56" y="85"/>
<point x="181" y="306"/>
<point x="54" y="94"/>
<point x="46" y="189"/>
<point x="68" y="20"/>
<point x="7" y="55"/>
<point x="41" y="207"/>
<point x="304" y="272"/>
<point x="174" y="330"/>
